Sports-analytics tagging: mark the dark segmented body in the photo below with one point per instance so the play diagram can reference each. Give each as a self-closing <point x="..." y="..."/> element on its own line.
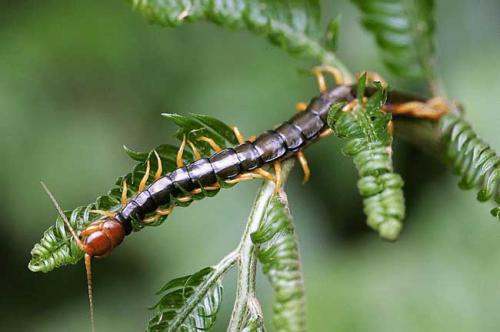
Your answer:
<point x="278" y="144"/>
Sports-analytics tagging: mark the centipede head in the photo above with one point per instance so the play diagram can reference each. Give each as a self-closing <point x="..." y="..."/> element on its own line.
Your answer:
<point x="100" y="237"/>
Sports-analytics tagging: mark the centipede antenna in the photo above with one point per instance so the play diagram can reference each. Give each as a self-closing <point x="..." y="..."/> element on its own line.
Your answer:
<point x="63" y="216"/>
<point x="81" y="245"/>
<point x="88" y="270"/>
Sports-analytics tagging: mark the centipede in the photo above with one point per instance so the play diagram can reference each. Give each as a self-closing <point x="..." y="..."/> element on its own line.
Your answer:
<point x="250" y="159"/>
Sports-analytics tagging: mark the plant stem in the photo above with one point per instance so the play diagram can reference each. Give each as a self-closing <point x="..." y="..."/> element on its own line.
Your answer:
<point x="247" y="265"/>
<point x="219" y="269"/>
<point x="317" y="51"/>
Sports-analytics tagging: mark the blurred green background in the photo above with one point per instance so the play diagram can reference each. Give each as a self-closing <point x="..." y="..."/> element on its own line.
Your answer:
<point x="79" y="79"/>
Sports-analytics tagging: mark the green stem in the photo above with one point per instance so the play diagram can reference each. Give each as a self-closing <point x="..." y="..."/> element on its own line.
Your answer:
<point x="221" y="268"/>
<point x="318" y="52"/>
<point x="247" y="264"/>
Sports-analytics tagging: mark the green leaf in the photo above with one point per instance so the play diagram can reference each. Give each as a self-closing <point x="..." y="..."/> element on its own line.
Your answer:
<point x="332" y="34"/>
<point x="404" y="32"/>
<point x="194" y="126"/>
<point x="369" y="144"/>
<point x="360" y="90"/>
<point x="217" y="127"/>
<point x="57" y="247"/>
<point x="189" y="303"/>
<point x="290" y="24"/>
<point x="293" y="25"/>
<point x="279" y="255"/>
<point x="472" y="159"/>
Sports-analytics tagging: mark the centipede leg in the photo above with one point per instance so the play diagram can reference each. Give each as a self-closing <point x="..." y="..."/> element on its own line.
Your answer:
<point x="336" y="74"/>
<point x="301" y="106"/>
<point x="97" y="226"/>
<point x="159" y="170"/>
<point x="238" y="135"/>
<point x="211" y="142"/>
<point x="159" y="213"/>
<point x="185" y="199"/>
<point x="432" y="110"/>
<point x="265" y="174"/>
<point x="277" y="176"/>
<point x="320" y="78"/>
<point x="350" y="106"/>
<point x="179" y="161"/>
<point x="305" y="166"/>
<point x="244" y="177"/>
<point x="145" y="178"/>
<point x="213" y="187"/>
<point x="124" y="193"/>
<point x="390" y="127"/>
<point x="325" y="133"/>
<point x="104" y="213"/>
<point x="197" y="155"/>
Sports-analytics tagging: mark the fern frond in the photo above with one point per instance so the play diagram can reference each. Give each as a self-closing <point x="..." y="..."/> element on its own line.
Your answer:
<point x="191" y="303"/>
<point x="293" y="25"/>
<point x="279" y="255"/>
<point x="57" y="247"/>
<point x="369" y="144"/>
<point x="472" y="159"/>
<point x="404" y="32"/>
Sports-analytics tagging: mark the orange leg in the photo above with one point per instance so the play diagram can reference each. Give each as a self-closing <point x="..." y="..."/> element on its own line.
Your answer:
<point x="265" y="174"/>
<point x="213" y="187"/>
<point x="160" y="167"/>
<point x="245" y="177"/>
<point x="185" y="199"/>
<point x="305" y="167"/>
<point x="104" y="213"/>
<point x="180" y="153"/>
<point x="145" y="178"/>
<point x="326" y="133"/>
<point x="238" y="135"/>
<point x="277" y="176"/>
<point x="433" y="110"/>
<point x="336" y="74"/>
<point x="197" y="155"/>
<point x="95" y="226"/>
<point x="159" y="213"/>
<point x="390" y="127"/>
<point x="124" y="193"/>
<point x="320" y="78"/>
<point x="349" y="107"/>
<point x="211" y="142"/>
<point x="301" y="107"/>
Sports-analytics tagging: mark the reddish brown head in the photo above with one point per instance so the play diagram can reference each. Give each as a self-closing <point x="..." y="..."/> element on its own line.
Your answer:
<point x="100" y="237"/>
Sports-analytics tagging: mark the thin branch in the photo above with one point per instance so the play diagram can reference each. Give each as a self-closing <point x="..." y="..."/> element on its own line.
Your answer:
<point x="202" y="290"/>
<point x="248" y="253"/>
